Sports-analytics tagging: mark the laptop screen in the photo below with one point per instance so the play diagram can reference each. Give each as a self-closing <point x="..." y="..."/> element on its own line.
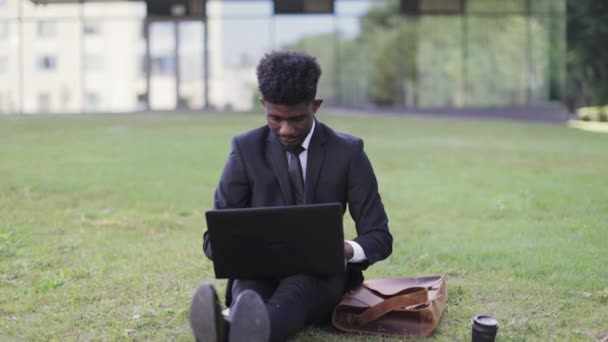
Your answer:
<point x="266" y="242"/>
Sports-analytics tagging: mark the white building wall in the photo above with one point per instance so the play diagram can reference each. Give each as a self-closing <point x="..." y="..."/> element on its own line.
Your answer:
<point x="60" y="84"/>
<point x="116" y="79"/>
<point x="9" y="70"/>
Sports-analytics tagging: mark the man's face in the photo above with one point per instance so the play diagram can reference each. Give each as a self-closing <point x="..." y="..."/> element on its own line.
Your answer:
<point x="291" y="123"/>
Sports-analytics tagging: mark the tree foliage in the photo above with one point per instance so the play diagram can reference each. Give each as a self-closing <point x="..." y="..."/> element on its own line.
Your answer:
<point x="488" y="57"/>
<point x="587" y="52"/>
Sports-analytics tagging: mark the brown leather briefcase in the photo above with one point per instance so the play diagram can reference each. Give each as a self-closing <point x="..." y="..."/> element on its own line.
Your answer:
<point x="393" y="307"/>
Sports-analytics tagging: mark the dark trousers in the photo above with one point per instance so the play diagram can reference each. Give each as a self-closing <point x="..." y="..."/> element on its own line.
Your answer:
<point x="296" y="301"/>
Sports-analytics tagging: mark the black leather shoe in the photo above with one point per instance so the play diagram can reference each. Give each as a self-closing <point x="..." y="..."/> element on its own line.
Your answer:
<point x="249" y="320"/>
<point x="206" y="316"/>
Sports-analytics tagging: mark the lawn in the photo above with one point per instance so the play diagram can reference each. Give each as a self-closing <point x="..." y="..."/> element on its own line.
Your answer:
<point x="101" y="222"/>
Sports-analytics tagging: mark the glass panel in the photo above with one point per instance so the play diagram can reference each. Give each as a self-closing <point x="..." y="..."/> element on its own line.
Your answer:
<point x="114" y="10"/>
<point x="354" y="63"/>
<point x="547" y="72"/>
<point x="315" y="34"/>
<point x="239" y="9"/>
<point x="548" y="6"/>
<point x="9" y="8"/>
<point x="191" y="65"/>
<point x="496" y="6"/>
<point x="496" y="61"/>
<point x="162" y="66"/>
<point x="388" y="50"/>
<point x="234" y="54"/>
<point x="438" y="80"/>
<point x="239" y="34"/>
<point x="49" y="12"/>
<point x="348" y="14"/>
<point x="351" y="8"/>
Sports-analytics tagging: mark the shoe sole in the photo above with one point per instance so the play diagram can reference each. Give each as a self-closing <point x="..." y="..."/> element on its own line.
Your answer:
<point x="204" y="313"/>
<point x="249" y="322"/>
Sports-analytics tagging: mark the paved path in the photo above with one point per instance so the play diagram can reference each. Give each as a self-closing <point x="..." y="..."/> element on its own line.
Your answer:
<point x="547" y="113"/>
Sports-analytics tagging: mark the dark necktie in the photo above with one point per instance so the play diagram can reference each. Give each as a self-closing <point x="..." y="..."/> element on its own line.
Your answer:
<point x="294" y="168"/>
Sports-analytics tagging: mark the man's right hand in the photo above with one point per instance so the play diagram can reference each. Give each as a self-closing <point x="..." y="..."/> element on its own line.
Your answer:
<point x="348" y="251"/>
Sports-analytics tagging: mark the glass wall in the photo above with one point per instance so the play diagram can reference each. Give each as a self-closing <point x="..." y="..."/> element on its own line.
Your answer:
<point x="240" y="32"/>
<point x="108" y="57"/>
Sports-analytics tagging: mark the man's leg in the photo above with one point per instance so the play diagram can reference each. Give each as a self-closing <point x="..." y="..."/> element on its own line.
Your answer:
<point x="249" y="320"/>
<point x="301" y="300"/>
<point x="205" y="316"/>
<point x="265" y="288"/>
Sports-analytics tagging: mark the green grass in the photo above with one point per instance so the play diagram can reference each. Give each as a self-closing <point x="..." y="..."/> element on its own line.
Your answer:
<point x="101" y="222"/>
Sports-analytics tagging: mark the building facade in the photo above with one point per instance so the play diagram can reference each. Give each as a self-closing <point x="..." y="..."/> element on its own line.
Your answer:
<point x="111" y="57"/>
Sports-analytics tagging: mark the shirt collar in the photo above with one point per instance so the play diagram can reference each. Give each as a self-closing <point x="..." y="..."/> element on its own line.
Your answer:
<point x="306" y="141"/>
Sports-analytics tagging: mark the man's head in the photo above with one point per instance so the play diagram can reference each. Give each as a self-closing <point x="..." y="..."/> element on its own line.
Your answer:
<point x="288" y="85"/>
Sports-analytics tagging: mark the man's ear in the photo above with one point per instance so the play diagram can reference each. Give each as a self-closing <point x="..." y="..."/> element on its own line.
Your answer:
<point x="316" y="104"/>
<point x="261" y="100"/>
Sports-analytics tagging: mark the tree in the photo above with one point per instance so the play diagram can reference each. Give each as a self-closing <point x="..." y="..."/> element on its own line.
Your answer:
<point x="488" y="57"/>
<point x="587" y="34"/>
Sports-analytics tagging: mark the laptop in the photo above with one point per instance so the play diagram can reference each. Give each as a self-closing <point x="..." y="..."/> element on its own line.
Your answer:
<point x="269" y="242"/>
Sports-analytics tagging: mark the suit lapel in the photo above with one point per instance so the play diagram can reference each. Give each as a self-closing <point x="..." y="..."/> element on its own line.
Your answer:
<point x="316" y="155"/>
<point x="278" y="160"/>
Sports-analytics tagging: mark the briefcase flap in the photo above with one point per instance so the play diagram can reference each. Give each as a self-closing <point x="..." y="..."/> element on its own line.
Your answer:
<point x="389" y="287"/>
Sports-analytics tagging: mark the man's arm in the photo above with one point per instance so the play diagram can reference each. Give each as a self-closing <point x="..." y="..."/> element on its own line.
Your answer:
<point x="233" y="190"/>
<point x="366" y="209"/>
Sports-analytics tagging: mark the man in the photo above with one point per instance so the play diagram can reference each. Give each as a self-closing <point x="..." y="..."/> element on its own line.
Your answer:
<point x="292" y="160"/>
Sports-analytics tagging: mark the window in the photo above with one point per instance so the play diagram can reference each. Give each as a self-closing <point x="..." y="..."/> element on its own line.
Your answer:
<point x="3" y="30"/>
<point x="162" y="65"/>
<point x="3" y="64"/>
<point x="46" y="29"/>
<point x="93" y="62"/>
<point x="44" y="102"/>
<point x="91" y="102"/>
<point x="47" y="62"/>
<point x="91" y="28"/>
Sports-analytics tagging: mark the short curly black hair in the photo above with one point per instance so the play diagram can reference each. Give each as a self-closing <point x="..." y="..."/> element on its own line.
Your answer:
<point x="288" y="77"/>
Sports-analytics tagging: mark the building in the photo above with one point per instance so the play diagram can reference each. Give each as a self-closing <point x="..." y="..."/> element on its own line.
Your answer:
<point x="114" y="56"/>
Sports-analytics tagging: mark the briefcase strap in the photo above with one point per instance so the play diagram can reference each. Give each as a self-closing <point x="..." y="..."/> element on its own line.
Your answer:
<point x="417" y="297"/>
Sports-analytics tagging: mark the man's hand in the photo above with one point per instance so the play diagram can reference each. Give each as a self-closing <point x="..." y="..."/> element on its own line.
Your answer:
<point x="348" y="251"/>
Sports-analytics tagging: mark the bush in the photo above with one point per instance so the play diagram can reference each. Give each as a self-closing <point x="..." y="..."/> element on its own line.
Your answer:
<point x="595" y="113"/>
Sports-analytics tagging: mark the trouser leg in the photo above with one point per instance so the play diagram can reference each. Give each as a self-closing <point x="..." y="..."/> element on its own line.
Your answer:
<point x="265" y="288"/>
<point x="300" y="300"/>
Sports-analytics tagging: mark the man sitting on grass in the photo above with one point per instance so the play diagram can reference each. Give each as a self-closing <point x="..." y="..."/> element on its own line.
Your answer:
<point x="259" y="172"/>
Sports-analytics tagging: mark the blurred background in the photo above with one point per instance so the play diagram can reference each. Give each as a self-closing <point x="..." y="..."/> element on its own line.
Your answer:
<point x="101" y="216"/>
<point x="70" y="56"/>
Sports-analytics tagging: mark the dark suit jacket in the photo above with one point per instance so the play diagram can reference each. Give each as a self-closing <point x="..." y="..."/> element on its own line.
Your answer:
<point x="338" y="170"/>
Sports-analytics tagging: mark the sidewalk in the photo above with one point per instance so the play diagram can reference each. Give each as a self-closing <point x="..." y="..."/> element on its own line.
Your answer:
<point x="541" y="113"/>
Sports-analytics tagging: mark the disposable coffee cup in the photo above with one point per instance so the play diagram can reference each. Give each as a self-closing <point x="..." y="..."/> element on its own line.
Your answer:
<point x="484" y="328"/>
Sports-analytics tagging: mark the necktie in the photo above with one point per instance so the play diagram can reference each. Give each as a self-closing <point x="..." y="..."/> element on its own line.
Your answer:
<point x="294" y="168"/>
